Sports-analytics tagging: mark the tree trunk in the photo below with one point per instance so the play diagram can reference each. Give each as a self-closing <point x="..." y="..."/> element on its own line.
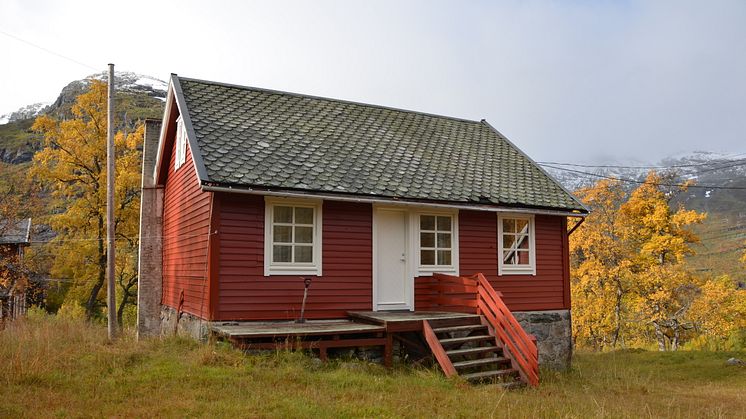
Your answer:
<point x="660" y="337"/>
<point x="675" y="339"/>
<point x="90" y="305"/>
<point x="617" y="313"/>
<point x="120" y="309"/>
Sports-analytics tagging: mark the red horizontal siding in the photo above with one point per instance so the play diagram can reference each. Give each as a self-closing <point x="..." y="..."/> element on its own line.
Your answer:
<point x="186" y="223"/>
<point x="544" y="291"/>
<point x="244" y="293"/>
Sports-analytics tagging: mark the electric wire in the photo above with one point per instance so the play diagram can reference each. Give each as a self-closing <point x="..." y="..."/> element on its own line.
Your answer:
<point x="643" y="182"/>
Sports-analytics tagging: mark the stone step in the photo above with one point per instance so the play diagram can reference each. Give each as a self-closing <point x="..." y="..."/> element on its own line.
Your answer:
<point x="487" y="375"/>
<point x="509" y="385"/>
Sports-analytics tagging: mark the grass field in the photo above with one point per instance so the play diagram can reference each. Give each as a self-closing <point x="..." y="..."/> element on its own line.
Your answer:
<point x="58" y="367"/>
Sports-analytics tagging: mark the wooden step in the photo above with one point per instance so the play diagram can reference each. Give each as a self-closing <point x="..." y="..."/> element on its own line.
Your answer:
<point x="457" y="321"/>
<point x="472" y="351"/>
<point x="486" y="375"/>
<point x="467" y="339"/>
<point x="466" y="328"/>
<point x="480" y="362"/>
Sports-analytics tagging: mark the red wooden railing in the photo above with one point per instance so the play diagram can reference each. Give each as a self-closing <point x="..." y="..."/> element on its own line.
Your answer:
<point x="476" y="294"/>
<point x="440" y="353"/>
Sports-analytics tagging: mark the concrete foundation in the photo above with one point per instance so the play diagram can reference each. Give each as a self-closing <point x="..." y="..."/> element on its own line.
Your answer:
<point x="184" y="324"/>
<point x="150" y="263"/>
<point x="553" y="331"/>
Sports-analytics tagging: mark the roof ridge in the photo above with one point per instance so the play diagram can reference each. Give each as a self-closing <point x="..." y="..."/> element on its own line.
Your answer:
<point x="330" y="99"/>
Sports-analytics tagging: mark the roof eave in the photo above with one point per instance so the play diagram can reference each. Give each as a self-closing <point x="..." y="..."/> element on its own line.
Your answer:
<point x="340" y="196"/>
<point x="176" y="95"/>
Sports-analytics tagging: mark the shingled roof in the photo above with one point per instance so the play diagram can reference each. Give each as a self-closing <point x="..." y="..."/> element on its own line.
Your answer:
<point x="15" y="232"/>
<point x="258" y="138"/>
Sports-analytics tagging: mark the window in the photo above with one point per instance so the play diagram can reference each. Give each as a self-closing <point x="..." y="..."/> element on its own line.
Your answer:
<point x="292" y="238"/>
<point x="516" y="253"/>
<point x="181" y="143"/>
<point x="437" y="243"/>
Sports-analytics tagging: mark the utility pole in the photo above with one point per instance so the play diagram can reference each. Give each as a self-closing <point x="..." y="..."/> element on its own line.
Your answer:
<point x="111" y="305"/>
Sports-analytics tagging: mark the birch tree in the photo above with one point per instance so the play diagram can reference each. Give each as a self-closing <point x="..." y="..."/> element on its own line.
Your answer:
<point x="72" y="166"/>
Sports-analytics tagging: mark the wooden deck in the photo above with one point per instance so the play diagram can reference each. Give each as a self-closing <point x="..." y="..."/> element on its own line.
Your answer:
<point x="404" y="321"/>
<point x="292" y="329"/>
<point x="361" y="329"/>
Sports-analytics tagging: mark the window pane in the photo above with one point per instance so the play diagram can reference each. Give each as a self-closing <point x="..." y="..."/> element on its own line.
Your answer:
<point x="427" y="239"/>
<point x="444" y="223"/>
<point x="521" y="226"/>
<point x="522" y="258"/>
<point x="282" y="234"/>
<point x="523" y="242"/>
<point x="281" y="253"/>
<point x="444" y="257"/>
<point x="427" y="257"/>
<point x="427" y="222"/>
<point x="303" y="215"/>
<point x="303" y="254"/>
<point x="508" y="225"/>
<point x="508" y="241"/>
<point x="509" y="257"/>
<point x="304" y="234"/>
<point x="444" y="240"/>
<point x="283" y="214"/>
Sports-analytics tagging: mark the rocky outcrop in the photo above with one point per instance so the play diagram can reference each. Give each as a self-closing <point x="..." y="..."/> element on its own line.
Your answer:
<point x="18" y="156"/>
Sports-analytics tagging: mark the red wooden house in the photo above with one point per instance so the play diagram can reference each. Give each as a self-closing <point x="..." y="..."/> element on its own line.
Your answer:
<point x="247" y="190"/>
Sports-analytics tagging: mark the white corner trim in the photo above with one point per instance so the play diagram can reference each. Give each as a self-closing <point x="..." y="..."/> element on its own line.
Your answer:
<point x="530" y="269"/>
<point x="314" y="268"/>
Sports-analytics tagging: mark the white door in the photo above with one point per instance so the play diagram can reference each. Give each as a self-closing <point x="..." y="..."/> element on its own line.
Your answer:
<point x="393" y="286"/>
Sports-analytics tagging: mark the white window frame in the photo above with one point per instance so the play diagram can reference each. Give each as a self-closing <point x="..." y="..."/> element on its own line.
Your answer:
<point x="291" y="268"/>
<point x="504" y="269"/>
<point x="181" y="143"/>
<point x="428" y="270"/>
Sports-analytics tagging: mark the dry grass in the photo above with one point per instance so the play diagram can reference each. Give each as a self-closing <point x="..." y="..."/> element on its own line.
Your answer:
<point x="57" y="367"/>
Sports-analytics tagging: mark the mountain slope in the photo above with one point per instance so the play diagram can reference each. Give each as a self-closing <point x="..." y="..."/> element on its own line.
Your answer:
<point x="723" y="234"/>
<point x="137" y="97"/>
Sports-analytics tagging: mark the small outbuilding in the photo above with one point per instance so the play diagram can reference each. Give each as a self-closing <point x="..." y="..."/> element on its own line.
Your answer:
<point x="249" y="192"/>
<point x="15" y="237"/>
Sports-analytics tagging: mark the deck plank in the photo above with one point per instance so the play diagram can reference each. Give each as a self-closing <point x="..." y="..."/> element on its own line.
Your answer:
<point x="272" y="329"/>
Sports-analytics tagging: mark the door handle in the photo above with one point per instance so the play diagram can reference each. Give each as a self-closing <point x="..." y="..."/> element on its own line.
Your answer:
<point x="403" y="258"/>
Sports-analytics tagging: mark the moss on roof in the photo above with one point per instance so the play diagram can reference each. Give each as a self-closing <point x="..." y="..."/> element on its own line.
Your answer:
<point x="261" y="138"/>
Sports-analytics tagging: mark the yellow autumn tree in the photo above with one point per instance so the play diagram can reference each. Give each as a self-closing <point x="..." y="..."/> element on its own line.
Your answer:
<point x="630" y="280"/>
<point x="72" y="166"/>
<point x="663" y="288"/>
<point x="600" y="269"/>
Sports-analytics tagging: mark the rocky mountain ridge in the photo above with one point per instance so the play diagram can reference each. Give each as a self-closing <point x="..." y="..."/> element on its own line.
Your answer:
<point x="138" y="97"/>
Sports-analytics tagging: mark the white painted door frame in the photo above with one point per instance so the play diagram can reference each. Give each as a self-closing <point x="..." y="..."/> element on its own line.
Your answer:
<point x="408" y="298"/>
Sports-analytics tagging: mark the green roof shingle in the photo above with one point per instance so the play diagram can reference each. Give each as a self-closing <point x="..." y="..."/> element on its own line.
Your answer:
<point x="261" y="138"/>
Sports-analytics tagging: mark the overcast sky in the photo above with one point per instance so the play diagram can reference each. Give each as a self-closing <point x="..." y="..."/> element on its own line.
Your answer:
<point x="577" y="81"/>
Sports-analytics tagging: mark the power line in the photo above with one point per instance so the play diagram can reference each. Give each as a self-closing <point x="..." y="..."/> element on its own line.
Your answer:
<point x="613" y="166"/>
<point x="642" y="182"/>
<point x="48" y="51"/>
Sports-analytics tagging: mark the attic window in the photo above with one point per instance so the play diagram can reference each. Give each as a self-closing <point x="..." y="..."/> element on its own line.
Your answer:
<point x="515" y="241"/>
<point x="181" y="142"/>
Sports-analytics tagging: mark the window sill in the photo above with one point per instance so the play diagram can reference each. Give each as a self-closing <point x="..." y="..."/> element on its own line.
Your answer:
<point x="524" y="271"/>
<point x="292" y="270"/>
<point x="430" y="270"/>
